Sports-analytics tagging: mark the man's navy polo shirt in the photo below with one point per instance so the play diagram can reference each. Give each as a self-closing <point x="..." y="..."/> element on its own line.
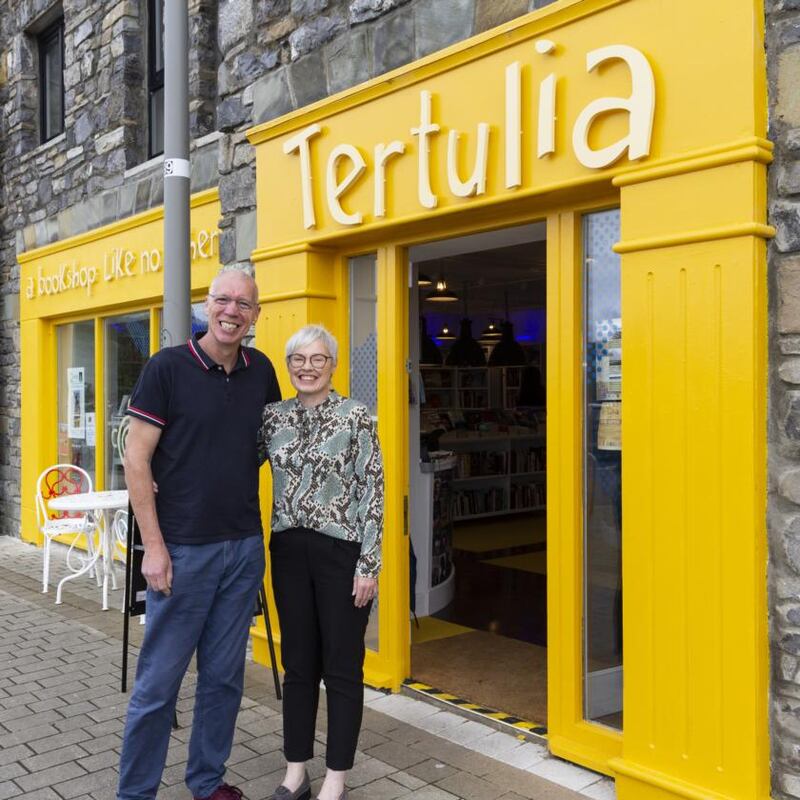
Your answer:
<point x="205" y="463"/>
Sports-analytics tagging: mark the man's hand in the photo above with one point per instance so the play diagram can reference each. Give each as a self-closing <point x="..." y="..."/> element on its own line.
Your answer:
<point x="157" y="569"/>
<point x="364" y="590"/>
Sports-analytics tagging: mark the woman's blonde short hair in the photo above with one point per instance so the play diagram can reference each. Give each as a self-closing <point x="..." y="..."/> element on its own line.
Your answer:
<point x="309" y="334"/>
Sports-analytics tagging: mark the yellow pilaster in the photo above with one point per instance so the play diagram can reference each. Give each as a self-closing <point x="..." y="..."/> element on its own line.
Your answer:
<point x="297" y="287"/>
<point x="694" y="478"/>
<point x="39" y="431"/>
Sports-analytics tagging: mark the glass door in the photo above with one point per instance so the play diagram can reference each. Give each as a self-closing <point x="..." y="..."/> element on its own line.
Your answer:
<point x="602" y="458"/>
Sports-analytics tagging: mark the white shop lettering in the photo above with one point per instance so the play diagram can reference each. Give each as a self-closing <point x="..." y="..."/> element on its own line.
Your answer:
<point x="639" y="107"/>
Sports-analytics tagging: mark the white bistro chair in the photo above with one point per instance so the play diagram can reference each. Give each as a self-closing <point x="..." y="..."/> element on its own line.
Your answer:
<point x="57" y="481"/>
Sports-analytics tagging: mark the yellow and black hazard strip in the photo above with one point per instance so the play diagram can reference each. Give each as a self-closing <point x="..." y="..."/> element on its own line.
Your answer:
<point x="474" y="708"/>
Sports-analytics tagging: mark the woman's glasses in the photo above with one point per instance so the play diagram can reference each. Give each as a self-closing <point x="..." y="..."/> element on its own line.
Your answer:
<point x="317" y="360"/>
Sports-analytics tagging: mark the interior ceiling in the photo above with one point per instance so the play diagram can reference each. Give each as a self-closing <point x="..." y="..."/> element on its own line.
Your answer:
<point x="483" y="279"/>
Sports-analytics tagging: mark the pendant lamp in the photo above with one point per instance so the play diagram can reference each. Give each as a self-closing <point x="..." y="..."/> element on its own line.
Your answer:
<point x="491" y="332"/>
<point x="507" y="352"/>
<point x="424" y="280"/>
<point x="466" y="352"/>
<point x="441" y="294"/>
<point x="428" y="351"/>
<point x="445" y="334"/>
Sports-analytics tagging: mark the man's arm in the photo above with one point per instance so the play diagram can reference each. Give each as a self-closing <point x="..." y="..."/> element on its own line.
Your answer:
<point x="140" y="446"/>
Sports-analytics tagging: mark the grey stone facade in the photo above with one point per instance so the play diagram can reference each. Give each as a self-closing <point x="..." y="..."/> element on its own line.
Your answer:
<point x="783" y="59"/>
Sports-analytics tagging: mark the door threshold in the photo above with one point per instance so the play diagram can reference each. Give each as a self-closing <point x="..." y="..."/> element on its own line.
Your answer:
<point x="499" y="720"/>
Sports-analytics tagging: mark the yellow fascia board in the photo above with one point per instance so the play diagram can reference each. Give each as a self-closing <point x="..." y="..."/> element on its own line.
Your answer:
<point x="491" y="41"/>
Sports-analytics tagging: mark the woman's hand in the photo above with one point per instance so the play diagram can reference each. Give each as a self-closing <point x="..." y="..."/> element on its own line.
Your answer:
<point x="364" y="590"/>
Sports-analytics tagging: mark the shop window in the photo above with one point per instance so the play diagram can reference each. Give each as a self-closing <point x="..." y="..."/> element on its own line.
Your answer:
<point x="155" y="76"/>
<point x="51" y="81"/>
<point x="602" y="470"/>
<point x="364" y="362"/>
<point x="127" y="347"/>
<point x="76" y="395"/>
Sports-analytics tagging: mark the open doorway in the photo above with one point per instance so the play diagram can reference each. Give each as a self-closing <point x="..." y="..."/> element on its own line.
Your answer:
<point x="477" y="426"/>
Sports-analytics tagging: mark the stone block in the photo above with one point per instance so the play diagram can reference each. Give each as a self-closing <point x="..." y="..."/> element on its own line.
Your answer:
<point x="788" y="280"/>
<point x="348" y="60"/>
<point x="108" y="141"/>
<point x="308" y="80"/>
<point x="82" y="32"/>
<point x="237" y="190"/>
<point x="83" y="128"/>
<point x="440" y="23"/>
<point x="314" y="33"/>
<point x="365" y="10"/>
<point x="789" y="485"/>
<point x="231" y="113"/>
<point x="11" y="307"/>
<point x="791" y="139"/>
<point x="156" y="190"/>
<point x="127" y="199"/>
<point x="787" y="104"/>
<point x="393" y="41"/>
<point x="245" y="235"/>
<point x="308" y="8"/>
<point x="235" y="20"/>
<point x="142" y="202"/>
<point x="785" y="216"/>
<point x="789" y="371"/>
<point x="789" y="345"/>
<point x="204" y="169"/>
<point x="789" y="178"/>
<point x="271" y="10"/>
<point x="491" y="13"/>
<point x="271" y="97"/>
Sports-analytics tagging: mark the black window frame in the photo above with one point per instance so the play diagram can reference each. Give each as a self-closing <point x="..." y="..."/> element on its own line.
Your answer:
<point x="155" y="77"/>
<point x="44" y="40"/>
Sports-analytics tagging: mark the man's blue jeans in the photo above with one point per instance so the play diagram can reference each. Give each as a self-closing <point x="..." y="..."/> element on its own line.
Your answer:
<point x="214" y="590"/>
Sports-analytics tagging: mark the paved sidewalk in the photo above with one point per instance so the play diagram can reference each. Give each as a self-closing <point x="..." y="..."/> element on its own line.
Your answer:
<point x="61" y="717"/>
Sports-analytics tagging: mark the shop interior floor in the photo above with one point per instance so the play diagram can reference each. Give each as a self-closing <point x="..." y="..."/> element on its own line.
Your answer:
<point x="504" y="533"/>
<point x="487" y="669"/>
<point x="431" y="628"/>
<point x="527" y="562"/>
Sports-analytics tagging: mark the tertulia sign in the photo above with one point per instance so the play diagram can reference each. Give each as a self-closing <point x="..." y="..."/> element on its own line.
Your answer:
<point x="348" y="165"/>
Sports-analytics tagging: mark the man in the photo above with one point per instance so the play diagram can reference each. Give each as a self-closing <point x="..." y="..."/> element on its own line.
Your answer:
<point x="195" y="413"/>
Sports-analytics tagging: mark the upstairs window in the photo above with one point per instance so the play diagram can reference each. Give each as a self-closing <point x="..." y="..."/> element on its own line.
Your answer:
<point x="155" y="76"/>
<point x="51" y="81"/>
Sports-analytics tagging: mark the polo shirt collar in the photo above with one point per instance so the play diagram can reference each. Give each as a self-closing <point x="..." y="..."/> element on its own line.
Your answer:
<point x="206" y="362"/>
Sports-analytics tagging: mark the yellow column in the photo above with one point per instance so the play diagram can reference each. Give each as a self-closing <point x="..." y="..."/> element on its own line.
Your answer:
<point x="694" y="473"/>
<point x="39" y="423"/>
<point x="297" y="286"/>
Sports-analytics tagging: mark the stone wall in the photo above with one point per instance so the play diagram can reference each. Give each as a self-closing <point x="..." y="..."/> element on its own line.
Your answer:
<point x="783" y="58"/>
<point x="96" y="171"/>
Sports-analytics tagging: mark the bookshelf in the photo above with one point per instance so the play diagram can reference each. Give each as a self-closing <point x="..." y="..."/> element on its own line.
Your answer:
<point x="497" y="473"/>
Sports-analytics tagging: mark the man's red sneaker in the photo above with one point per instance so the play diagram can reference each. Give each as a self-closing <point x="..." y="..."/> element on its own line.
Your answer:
<point x="224" y="792"/>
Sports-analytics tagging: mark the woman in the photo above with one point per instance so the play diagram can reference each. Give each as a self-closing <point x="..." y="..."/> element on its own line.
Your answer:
<point x="325" y="550"/>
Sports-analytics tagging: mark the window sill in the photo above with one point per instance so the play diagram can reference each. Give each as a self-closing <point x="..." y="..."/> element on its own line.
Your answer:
<point x="44" y="147"/>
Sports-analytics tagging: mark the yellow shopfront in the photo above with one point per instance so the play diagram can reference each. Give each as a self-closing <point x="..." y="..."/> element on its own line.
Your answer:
<point x="90" y="310"/>
<point x="622" y="142"/>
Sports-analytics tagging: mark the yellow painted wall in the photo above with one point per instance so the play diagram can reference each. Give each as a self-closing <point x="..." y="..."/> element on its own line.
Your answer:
<point x="693" y="212"/>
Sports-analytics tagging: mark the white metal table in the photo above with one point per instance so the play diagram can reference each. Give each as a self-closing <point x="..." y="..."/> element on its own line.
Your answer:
<point x="103" y="504"/>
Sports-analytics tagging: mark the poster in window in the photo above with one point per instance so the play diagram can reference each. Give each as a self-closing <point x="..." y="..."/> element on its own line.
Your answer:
<point x="76" y="398"/>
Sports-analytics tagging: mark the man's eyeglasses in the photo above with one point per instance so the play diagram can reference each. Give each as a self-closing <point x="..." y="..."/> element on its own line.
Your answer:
<point x="317" y="360"/>
<point x="222" y="301"/>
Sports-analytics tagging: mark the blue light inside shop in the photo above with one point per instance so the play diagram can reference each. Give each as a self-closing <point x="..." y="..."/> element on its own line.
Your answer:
<point x="530" y="325"/>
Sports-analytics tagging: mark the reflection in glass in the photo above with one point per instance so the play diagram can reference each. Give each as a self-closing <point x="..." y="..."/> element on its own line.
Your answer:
<point x="364" y="360"/>
<point x="127" y="347"/>
<point x="602" y="470"/>
<point x="76" y="395"/>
